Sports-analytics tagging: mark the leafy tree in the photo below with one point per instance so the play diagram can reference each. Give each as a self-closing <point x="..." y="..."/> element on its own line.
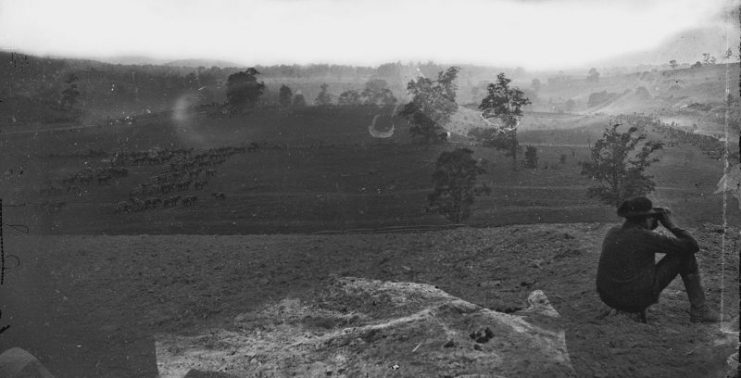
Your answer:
<point x="673" y="63"/>
<point x="284" y="96"/>
<point x="323" y="98"/>
<point x="696" y="65"/>
<point x="191" y="81"/>
<point x="243" y="89"/>
<point x="643" y="93"/>
<point x="531" y="157"/>
<point x="495" y="138"/>
<point x="536" y="84"/>
<point x="71" y="93"/>
<point x="569" y="105"/>
<point x="593" y="75"/>
<point x="618" y="163"/>
<point x="505" y="104"/>
<point x="455" y="184"/>
<point x="298" y="100"/>
<point x="728" y="54"/>
<point x="377" y="93"/>
<point x="349" y="97"/>
<point x="599" y="98"/>
<point x="433" y="102"/>
<point x="390" y="70"/>
<point x="708" y="59"/>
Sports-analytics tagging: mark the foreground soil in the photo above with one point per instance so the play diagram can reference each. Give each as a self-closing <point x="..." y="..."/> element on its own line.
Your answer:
<point x="90" y="306"/>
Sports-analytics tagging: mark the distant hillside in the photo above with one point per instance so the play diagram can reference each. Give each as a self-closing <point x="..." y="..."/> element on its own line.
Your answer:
<point x="35" y="85"/>
<point x="202" y="63"/>
<point x="143" y="85"/>
<point x="691" y="97"/>
<point x="131" y="60"/>
<point x="686" y="48"/>
<point x="144" y="60"/>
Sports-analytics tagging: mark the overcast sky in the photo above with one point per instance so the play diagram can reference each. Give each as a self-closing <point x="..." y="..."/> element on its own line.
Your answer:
<point x="529" y="33"/>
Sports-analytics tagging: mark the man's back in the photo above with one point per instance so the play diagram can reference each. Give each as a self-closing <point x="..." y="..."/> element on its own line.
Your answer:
<point x="626" y="272"/>
<point x="627" y="277"/>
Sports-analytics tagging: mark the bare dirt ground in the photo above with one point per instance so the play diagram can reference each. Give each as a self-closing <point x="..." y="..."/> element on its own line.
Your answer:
<point x="90" y="306"/>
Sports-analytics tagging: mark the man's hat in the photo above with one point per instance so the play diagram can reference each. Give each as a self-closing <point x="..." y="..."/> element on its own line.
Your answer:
<point x="638" y="207"/>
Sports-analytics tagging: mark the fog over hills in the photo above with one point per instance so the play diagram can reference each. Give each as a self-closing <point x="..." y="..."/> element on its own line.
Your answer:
<point x="202" y="63"/>
<point x="686" y="47"/>
<point x="126" y="60"/>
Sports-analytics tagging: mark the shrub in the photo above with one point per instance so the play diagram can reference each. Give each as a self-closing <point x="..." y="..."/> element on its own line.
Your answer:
<point x="455" y="184"/>
<point x="643" y="93"/>
<point x="619" y="162"/>
<point x="531" y="157"/>
<point x="598" y="98"/>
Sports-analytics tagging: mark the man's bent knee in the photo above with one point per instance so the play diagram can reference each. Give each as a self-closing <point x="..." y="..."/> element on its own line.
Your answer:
<point x="688" y="265"/>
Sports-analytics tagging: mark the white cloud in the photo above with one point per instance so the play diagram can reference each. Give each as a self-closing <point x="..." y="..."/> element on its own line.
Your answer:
<point x="526" y="33"/>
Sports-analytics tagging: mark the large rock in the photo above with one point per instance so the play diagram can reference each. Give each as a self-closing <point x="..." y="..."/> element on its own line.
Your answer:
<point x="359" y="327"/>
<point x="17" y="363"/>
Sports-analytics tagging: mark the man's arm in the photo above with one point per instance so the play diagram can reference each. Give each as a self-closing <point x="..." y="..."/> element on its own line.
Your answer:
<point x="683" y="242"/>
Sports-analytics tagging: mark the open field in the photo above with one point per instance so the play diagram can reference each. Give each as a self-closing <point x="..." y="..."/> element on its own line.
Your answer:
<point x="179" y="221"/>
<point x="313" y="170"/>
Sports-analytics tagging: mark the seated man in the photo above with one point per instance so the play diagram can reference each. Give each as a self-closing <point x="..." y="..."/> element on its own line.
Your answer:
<point x="629" y="280"/>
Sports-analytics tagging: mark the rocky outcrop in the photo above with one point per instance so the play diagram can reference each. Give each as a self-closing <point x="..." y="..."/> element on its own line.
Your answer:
<point x="17" y="363"/>
<point x="360" y="327"/>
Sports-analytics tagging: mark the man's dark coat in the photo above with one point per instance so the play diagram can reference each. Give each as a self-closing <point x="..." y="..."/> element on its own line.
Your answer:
<point x="627" y="271"/>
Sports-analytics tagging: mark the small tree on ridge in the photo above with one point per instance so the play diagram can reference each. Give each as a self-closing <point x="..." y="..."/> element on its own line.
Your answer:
<point x="285" y="95"/>
<point x="593" y="75"/>
<point x="323" y="98"/>
<point x="506" y="104"/>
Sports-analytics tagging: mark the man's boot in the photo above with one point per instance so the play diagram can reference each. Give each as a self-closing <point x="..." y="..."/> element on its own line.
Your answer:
<point x="699" y="310"/>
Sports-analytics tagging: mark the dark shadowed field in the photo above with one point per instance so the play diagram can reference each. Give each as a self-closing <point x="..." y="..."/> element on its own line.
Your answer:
<point x="320" y="170"/>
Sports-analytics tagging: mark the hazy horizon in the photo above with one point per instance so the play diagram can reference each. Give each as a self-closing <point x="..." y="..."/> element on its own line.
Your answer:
<point x="535" y="35"/>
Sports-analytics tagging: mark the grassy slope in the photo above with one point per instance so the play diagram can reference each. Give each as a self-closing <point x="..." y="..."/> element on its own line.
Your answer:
<point x="702" y="85"/>
<point x="671" y="92"/>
